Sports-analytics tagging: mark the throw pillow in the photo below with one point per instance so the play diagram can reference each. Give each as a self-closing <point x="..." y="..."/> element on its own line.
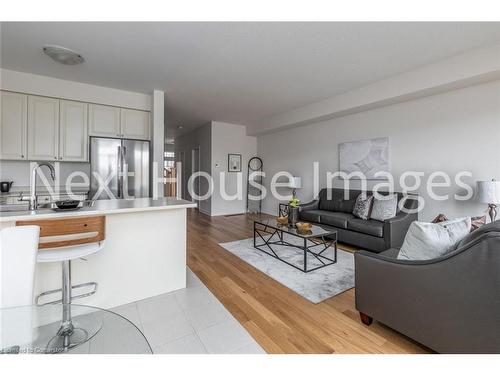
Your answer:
<point x="477" y="222"/>
<point x="384" y="209"/>
<point x="363" y="206"/>
<point x="439" y="218"/>
<point x="429" y="240"/>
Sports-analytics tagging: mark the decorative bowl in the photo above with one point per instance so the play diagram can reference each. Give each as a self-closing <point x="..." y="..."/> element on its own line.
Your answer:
<point x="282" y="220"/>
<point x="303" y="227"/>
<point x="67" y="205"/>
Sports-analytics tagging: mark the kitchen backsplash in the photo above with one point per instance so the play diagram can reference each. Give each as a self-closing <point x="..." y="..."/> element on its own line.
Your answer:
<point x="20" y="172"/>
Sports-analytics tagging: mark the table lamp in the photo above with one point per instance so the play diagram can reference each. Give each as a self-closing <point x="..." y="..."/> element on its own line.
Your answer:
<point x="295" y="183"/>
<point x="489" y="192"/>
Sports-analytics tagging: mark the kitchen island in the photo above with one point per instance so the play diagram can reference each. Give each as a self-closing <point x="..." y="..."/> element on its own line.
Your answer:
<point x="144" y="253"/>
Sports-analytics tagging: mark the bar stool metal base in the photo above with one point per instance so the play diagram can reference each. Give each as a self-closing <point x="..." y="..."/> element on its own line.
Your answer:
<point x="71" y="332"/>
<point x="61" y="337"/>
<point x="68" y="339"/>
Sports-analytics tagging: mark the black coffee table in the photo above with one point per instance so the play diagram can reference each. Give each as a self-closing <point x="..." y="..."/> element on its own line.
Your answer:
<point x="269" y="237"/>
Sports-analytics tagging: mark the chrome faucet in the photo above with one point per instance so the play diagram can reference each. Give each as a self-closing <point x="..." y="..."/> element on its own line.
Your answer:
<point x="33" y="201"/>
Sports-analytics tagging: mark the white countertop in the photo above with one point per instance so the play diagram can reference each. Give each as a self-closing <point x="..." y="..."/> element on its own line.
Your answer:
<point x="102" y="207"/>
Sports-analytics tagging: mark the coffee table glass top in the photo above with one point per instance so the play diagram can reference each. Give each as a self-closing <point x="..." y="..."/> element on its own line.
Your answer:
<point x="315" y="231"/>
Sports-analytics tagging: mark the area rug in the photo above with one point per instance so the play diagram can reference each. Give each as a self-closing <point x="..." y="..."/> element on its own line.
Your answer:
<point x="315" y="286"/>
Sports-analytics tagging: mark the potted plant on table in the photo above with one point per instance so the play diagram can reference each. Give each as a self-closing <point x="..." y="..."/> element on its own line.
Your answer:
<point x="293" y="211"/>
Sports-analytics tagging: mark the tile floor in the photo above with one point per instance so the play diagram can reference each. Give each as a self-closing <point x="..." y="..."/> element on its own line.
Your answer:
<point x="187" y="321"/>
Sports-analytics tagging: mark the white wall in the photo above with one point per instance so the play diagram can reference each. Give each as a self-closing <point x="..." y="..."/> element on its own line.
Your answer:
<point x="47" y="86"/>
<point x="198" y="138"/>
<point x="216" y="140"/>
<point x="230" y="139"/>
<point x="453" y="131"/>
<point x="467" y="69"/>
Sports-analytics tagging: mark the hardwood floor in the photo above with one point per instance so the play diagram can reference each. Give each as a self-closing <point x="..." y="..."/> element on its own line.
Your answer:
<point x="280" y="320"/>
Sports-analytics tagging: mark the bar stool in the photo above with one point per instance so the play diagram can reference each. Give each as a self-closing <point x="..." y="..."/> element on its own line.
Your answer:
<point x="18" y="254"/>
<point x="64" y="240"/>
<point x="18" y="249"/>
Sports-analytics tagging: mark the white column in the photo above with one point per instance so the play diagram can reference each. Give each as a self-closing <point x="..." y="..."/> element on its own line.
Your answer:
<point x="158" y="139"/>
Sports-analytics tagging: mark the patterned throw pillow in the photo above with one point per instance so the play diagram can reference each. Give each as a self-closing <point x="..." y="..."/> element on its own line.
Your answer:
<point x="439" y="219"/>
<point x="477" y="222"/>
<point x="363" y="206"/>
<point x="384" y="209"/>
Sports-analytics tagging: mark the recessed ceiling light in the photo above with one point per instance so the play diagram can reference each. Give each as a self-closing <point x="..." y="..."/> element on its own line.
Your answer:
<point x="180" y="127"/>
<point x="63" y="55"/>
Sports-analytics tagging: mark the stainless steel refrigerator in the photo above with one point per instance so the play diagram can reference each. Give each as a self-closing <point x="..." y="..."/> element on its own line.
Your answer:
<point x="120" y="164"/>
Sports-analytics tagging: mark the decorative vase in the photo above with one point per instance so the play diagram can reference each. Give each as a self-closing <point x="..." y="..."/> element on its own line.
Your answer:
<point x="293" y="215"/>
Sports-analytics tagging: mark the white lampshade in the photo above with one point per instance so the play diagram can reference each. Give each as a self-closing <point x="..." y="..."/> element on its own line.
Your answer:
<point x="295" y="183"/>
<point x="488" y="192"/>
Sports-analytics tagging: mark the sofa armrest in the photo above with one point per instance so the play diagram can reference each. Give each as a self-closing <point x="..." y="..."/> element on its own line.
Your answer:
<point x="313" y="205"/>
<point x="395" y="229"/>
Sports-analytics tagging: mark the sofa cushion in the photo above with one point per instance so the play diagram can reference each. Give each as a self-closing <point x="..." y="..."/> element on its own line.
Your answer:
<point x="337" y="201"/>
<point x="384" y="209"/>
<point x="310" y="215"/>
<point x="363" y="206"/>
<point x="429" y="241"/>
<point x="335" y="219"/>
<point x="371" y="227"/>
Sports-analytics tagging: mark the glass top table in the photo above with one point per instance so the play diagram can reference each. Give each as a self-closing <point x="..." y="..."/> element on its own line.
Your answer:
<point x="36" y="330"/>
<point x="306" y="251"/>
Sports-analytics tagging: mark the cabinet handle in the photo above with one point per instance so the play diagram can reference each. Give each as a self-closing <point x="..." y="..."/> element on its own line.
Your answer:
<point x="55" y="157"/>
<point x="22" y="156"/>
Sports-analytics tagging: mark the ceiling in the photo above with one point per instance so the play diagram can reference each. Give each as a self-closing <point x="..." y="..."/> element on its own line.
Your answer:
<point x="237" y="72"/>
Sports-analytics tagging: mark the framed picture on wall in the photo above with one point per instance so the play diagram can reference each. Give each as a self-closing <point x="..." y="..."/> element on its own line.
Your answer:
<point x="368" y="157"/>
<point x="234" y="162"/>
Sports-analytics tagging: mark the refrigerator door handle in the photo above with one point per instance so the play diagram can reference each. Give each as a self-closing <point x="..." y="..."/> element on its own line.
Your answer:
<point x="119" y="172"/>
<point x="124" y="183"/>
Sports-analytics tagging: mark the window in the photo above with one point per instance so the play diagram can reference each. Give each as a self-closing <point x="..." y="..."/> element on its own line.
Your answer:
<point x="169" y="154"/>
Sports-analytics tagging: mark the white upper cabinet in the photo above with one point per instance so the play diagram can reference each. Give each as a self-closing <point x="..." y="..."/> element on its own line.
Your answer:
<point x="13" y="126"/>
<point x="104" y="121"/>
<point x="134" y="124"/>
<point x="43" y="128"/>
<point x="73" y="134"/>
<point x="47" y="129"/>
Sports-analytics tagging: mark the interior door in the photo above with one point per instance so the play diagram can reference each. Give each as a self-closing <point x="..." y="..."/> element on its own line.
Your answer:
<point x="104" y="167"/>
<point x="136" y="165"/>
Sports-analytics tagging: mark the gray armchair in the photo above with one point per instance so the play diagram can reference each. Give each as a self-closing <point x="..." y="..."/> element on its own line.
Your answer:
<point x="450" y="304"/>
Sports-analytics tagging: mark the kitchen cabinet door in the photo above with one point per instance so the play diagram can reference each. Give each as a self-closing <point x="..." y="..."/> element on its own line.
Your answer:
<point x="104" y="121"/>
<point x="134" y="124"/>
<point x="73" y="134"/>
<point x="13" y="126"/>
<point x="43" y="128"/>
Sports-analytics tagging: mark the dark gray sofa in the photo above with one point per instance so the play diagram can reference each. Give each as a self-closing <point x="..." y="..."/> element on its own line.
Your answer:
<point x="450" y="304"/>
<point x="373" y="235"/>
